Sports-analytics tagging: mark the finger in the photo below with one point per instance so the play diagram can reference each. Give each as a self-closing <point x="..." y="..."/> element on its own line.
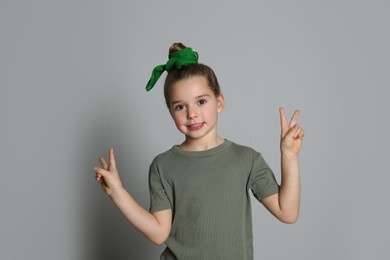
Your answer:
<point x="103" y="163"/>
<point x="112" y="158"/>
<point x="294" y="118"/>
<point x="297" y="133"/>
<point x="301" y="134"/>
<point x="99" y="179"/>
<point x="283" y="120"/>
<point x="102" y="183"/>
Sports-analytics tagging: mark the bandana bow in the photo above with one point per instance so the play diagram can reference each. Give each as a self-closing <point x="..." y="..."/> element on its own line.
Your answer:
<point x="176" y="60"/>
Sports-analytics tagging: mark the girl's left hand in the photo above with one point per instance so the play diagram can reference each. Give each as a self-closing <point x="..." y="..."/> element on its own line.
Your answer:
<point x="291" y="135"/>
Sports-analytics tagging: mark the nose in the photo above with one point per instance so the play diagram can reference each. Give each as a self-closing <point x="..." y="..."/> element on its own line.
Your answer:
<point x="192" y="112"/>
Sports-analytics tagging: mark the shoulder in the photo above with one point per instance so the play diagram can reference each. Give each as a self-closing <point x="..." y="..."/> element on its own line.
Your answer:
<point x="162" y="157"/>
<point x="160" y="162"/>
<point x="243" y="149"/>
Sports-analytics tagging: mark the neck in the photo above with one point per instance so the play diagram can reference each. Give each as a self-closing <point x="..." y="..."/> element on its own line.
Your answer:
<point x="201" y="145"/>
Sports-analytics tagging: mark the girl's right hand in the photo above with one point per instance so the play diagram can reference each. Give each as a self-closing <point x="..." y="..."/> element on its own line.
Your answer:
<point x="108" y="176"/>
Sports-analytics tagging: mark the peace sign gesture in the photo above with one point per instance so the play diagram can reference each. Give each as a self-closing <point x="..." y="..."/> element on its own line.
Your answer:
<point x="291" y="134"/>
<point x="108" y="176"/>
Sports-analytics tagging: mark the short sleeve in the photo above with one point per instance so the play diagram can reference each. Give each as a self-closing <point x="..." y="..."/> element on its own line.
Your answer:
<point x="158" y="196"/>
<point x="262" y="180"/>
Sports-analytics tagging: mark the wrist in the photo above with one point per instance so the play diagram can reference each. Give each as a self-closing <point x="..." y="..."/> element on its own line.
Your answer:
<point x="289" y="156"/>
<point x="117" y="192"/>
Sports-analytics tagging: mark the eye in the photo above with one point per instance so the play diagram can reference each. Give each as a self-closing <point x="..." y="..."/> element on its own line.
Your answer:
<point x="202" y="102"/>
<point x="179" y="107"/>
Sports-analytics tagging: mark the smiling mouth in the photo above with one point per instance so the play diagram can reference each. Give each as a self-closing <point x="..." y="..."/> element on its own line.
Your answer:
<point x="195" y="127"/>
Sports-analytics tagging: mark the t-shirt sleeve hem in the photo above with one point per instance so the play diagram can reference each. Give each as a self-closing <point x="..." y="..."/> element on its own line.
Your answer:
<point x="267" y="194"/>
<point x="159" y="208"/>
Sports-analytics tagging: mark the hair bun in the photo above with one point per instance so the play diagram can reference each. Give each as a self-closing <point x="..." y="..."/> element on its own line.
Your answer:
<point x="177" y="46"/>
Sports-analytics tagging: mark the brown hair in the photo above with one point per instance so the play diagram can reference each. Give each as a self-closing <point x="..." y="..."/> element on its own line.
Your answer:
<point x="188" y="71"/>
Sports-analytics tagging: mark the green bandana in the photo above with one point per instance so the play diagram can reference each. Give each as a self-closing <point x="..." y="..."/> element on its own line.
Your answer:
<point x="176" y="60"/>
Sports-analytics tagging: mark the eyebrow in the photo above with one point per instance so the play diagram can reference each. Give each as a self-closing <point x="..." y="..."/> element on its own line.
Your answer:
<point x="179" y="101"/>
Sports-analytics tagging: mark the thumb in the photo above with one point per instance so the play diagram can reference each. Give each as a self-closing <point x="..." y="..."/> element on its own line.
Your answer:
<point x="291" y="134"/>
<point x="100" y="171"/>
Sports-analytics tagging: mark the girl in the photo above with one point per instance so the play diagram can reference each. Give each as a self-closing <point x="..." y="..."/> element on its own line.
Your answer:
<point x="199" y="190"/>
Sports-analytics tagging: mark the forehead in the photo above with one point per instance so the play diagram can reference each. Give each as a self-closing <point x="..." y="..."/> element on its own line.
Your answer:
<point x="190" y="88"/>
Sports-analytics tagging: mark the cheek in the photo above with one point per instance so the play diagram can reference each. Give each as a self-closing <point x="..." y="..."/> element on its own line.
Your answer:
<point x="211" y="113"/>
<point x="177" y="117"/>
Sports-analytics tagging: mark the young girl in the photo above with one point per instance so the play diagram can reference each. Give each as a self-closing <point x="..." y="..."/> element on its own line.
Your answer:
<point x="199" y="190"/>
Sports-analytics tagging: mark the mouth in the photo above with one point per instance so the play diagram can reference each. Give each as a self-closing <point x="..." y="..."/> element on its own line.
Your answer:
<point x="195" y="127"/>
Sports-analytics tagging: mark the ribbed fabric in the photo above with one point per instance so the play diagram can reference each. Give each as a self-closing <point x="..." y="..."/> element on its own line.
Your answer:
<point x="208" y="192"/>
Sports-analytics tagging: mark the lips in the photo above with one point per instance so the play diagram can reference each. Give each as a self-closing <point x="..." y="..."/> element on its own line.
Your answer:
<point x="195" y="127"/>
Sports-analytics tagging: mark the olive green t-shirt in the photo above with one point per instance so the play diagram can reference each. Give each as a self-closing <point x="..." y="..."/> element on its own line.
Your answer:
<point x="208" y="192"/>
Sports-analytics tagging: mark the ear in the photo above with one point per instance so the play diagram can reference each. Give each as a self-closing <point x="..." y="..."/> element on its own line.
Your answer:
<point x="220" y="102"/>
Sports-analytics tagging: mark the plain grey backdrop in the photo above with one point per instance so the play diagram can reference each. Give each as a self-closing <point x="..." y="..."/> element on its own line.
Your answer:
<point x="72" y="79"/>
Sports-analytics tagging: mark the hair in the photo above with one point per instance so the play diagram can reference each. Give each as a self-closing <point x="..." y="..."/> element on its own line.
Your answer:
<point x="188" y="71"/>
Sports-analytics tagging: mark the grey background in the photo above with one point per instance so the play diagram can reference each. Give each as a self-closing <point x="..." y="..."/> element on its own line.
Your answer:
<point x="72" y="78"/>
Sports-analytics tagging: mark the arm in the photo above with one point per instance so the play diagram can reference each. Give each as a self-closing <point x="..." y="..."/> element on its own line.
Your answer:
<point x="156" y="226"/>
<point x="285" y="204"/>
